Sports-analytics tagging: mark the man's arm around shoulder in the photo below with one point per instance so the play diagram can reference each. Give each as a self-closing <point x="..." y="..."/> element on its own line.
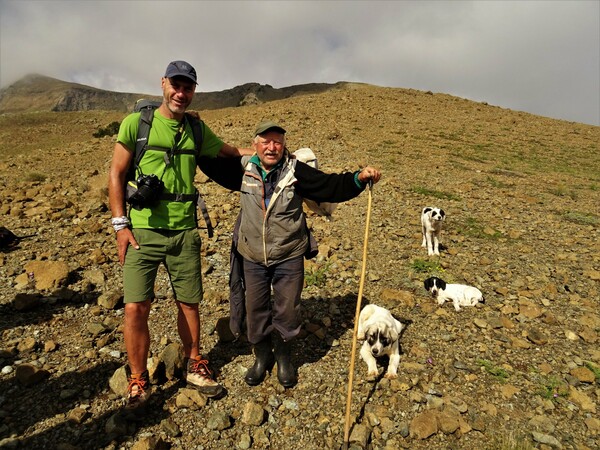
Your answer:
<point x="229" y="151"/>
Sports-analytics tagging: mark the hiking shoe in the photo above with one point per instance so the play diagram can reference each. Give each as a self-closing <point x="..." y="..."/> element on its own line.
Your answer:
<point x="138" y="392"/>
<point x="200" y="376"/>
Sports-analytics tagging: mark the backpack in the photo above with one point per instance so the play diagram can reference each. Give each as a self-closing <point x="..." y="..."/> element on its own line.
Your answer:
<point x="306" y="155"/>
<point x="225" y="171"/>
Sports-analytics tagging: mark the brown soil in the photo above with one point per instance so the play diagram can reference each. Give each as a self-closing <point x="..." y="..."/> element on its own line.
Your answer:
<point x="521" y="193"/>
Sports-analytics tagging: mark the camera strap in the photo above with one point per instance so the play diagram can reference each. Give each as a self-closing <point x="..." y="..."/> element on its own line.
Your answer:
<point x="169" y="155"/>
<point x="168" y="158"/>
<point x="197" y="198"/>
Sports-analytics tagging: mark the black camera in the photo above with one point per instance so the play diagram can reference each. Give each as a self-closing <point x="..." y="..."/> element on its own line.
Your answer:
<point x="144" y="192"/>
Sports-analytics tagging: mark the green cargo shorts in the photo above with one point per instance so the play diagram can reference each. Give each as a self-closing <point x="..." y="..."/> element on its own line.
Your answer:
<point x="178" y="250"/>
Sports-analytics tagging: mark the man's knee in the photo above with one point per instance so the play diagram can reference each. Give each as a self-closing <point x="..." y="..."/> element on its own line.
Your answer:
<point x="137" y="309"/>
<point x="187" y="306"/>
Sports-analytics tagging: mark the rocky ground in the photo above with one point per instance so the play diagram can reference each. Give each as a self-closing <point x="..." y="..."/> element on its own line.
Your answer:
<point x="522" y="371"/>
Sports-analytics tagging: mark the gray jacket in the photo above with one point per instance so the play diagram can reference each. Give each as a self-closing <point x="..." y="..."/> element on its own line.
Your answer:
<point x="266" y="228"/>
<point x="277" y="232"/>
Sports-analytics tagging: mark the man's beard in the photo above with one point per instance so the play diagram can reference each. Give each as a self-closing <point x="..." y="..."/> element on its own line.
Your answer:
<point x="174" y="108"/>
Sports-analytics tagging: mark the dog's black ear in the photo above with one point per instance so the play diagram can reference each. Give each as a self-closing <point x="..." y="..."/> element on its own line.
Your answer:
<point x="426" y="210"/>
<point x="441" y="283"/>
<point x="442" y="213"/>
<point x="428" y="283"/>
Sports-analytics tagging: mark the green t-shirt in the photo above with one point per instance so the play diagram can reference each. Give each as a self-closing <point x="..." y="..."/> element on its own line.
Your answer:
<point x="178" y="177"/>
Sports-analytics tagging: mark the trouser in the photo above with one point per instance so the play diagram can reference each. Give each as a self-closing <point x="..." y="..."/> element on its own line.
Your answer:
<point x="282" y="314"/>
<point x="178" y="250"/>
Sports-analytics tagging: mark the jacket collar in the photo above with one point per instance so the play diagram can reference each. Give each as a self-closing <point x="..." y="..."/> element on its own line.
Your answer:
<point x="263" y="173"/>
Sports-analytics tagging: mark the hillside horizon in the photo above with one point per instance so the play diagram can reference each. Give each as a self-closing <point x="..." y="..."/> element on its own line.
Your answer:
<point x="35" y="93"/>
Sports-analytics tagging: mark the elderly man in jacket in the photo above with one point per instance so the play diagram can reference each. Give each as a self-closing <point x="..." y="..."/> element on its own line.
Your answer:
<point x="273" y="239"/>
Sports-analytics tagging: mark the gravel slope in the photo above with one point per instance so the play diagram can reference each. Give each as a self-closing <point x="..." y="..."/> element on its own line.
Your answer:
<point x="521" y="193"/>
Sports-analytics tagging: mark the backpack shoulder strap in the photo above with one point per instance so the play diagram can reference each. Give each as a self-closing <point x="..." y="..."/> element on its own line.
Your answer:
<point x="307" y="156"/>
<point x="197" y="130"/>
<point x="141" y="142"/>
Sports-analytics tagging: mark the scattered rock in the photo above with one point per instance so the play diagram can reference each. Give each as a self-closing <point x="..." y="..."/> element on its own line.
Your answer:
<point x="47" y="275"/>
<point x="219" y="420"/>
<point x="584" y="375"/>
<point x="190" y="398"/>
<point x="424" y="425"/>
<point x="29" y="375"/>
<point x="546" y="439"/>
<point x="253" y="414"/>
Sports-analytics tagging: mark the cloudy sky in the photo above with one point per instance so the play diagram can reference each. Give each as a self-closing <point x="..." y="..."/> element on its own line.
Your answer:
<point x="541" y="57"/>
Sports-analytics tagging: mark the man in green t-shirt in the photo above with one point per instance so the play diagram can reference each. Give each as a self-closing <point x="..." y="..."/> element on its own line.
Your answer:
<point x="163" y="231"/>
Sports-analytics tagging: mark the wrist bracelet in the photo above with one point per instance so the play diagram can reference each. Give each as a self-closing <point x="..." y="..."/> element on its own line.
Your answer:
<point x="120" y="223"/>
<point x="119" y="220"/>
<point x="120" y="226"/>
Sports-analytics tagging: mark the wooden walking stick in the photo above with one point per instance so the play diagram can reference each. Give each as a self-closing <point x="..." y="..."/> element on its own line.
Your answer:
<point x="358" y="302"/>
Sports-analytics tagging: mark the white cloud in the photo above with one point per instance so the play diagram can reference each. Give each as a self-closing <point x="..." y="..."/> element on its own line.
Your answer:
<point x="538" y="56"/>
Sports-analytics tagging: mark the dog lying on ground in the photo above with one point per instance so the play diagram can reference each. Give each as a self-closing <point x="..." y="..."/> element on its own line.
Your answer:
<point x="459" y="294"/>
<point x="431" y="225"/>
<point x="381" y="334"/>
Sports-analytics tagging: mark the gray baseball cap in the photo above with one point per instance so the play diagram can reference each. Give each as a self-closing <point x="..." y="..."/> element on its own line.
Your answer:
<point x="181" y="69"/>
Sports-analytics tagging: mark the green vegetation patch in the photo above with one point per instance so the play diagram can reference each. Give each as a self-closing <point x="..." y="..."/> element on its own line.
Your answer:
<point x="551" y="388"/>
<point x="581" y="218"/>
<point x="433" y="193"/>
<point x="316" y="276"/>
<point x="595" y="369"/>
<point x="426" y="266"/>
<point x="471" y="227"/>
<point x="110" y="130"/>
<point x="34" y="176"/>
<point x="497" y="372"/>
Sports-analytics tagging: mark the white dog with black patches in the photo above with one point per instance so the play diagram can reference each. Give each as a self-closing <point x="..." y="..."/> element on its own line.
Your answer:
<point x="458" y="294"/>
<point x="381" y="334"/>
<point x="431" y="224"/>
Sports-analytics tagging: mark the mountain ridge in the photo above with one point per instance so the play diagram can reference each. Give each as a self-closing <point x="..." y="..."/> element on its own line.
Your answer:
<point x="35" y="93"/>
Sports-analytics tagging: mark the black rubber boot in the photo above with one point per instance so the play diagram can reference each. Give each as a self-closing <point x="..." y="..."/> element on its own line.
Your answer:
<point x="286" y="374"/>
<point x="262" y="363"/>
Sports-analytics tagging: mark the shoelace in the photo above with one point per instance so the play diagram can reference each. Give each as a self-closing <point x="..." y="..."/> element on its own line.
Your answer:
<point x="201" y="366"/>
<point x="140" y="383"/>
